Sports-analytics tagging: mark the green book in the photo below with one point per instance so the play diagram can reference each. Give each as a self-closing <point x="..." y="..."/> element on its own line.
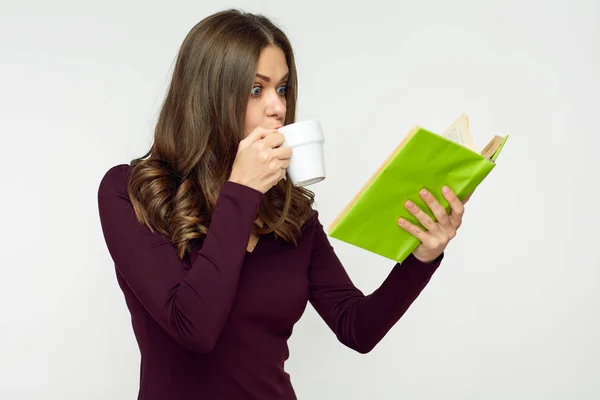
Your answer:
<point x="422" y="160"/>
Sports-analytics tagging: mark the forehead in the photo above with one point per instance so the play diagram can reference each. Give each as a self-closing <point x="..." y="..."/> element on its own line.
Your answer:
<point x="272" y="62"/>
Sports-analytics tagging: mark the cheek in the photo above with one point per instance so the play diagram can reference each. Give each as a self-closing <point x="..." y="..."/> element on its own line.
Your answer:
<point x="252" y="118"/>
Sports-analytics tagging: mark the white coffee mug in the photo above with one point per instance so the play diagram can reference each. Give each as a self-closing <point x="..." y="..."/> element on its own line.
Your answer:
<point x="307" y="165"/>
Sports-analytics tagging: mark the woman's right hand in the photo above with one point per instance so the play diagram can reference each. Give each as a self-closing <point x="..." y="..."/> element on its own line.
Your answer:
<point x="260" y="162"/>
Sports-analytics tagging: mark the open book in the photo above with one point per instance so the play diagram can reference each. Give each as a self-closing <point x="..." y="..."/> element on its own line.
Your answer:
<point x="422" y="159"/>
<point x="460" y="133"/>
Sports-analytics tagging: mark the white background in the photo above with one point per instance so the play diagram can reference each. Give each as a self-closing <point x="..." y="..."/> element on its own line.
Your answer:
<point x="514" y="313"/>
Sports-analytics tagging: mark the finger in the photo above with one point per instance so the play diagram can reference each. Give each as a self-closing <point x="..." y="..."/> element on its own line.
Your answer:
<point x="274" y="167"/>
<point x="274" y="140"/>
<point x="278" y="168"/>
<point x="283" y="153"/>
<point x="266" y="153"/>
<point x="279" y="176"/>
<point x="436" y="208"/>
<point x="413" y="229"/>
<point x="284" y="164"/>
<point x="457" y="206"/>
<point x="258" y="134"/>
<point x="425" y="220"/>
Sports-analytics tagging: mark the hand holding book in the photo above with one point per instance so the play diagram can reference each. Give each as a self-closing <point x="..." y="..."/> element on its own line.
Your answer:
<point x="435" y="234"/>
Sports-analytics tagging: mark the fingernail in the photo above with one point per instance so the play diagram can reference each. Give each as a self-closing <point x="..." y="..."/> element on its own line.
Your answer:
<point x="401" y="221"/>
<point x="446" y="189"/>
<point x="424" y="192"/>
<point x="409" y="204"/>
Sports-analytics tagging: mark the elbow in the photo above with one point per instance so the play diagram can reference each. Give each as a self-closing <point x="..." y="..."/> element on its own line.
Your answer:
<point x="199" y="335"/>
<point x="360" y="340"/>
<point x="362" y="348"/>
<point x="200" y="344"/>
<point x="201" y="347"/>
<point x="197" y="340"/>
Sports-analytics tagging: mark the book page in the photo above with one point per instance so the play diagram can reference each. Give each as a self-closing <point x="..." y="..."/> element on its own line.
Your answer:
<point x="459" y="133"/>
<point x="489" y="150"/>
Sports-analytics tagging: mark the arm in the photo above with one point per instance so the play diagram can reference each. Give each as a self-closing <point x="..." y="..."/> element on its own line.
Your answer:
<point x="360" y="321"/>
<point x="191" y="306"/>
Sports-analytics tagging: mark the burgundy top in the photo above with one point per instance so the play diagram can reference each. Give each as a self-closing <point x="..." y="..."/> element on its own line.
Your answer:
<point x="215" y="325"/>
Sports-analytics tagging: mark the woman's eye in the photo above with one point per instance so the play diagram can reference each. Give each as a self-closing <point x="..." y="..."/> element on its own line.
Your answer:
<point x="256" y="91"/>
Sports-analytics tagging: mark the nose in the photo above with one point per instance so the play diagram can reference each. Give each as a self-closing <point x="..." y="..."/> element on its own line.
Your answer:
<point x="276" y="106"/>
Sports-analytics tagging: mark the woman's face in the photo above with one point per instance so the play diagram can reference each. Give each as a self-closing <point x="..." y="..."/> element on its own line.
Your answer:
<point x="267" y="104"/>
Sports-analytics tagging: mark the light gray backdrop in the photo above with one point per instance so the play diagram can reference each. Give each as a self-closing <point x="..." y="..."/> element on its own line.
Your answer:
<point x="512" y="314"/>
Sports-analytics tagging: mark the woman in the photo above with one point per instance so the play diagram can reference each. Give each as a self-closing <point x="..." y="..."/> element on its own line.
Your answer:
<point x="218" y="255"/>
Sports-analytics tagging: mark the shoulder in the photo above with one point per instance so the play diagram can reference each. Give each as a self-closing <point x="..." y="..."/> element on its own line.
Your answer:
<point x="312" y="221"/>
<point x="114" y="181"/>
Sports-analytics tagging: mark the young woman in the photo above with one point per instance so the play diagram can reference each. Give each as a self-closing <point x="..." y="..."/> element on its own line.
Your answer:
<point x="218" y="255"/>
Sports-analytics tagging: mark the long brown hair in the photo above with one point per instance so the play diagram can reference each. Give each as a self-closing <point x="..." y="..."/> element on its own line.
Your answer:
<point x="175" y="186"/>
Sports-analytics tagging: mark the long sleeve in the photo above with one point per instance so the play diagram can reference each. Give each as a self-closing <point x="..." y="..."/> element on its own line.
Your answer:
<point x="360" y="321"/>
<point x="192" y="306"/>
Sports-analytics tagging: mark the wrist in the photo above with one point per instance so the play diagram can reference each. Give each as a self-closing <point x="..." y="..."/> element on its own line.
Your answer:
<point x="235" y="179"/>
<point x="430" y="260"/>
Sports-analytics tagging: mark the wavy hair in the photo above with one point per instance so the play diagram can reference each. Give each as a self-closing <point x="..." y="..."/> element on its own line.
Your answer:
<point x="175" y="186"/>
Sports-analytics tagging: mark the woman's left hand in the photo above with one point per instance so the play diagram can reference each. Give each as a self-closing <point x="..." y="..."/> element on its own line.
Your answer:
<point x="437" y="234"/>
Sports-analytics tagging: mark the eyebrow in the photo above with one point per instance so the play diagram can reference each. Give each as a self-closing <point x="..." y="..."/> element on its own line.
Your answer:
<point x="267" y="79"/>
